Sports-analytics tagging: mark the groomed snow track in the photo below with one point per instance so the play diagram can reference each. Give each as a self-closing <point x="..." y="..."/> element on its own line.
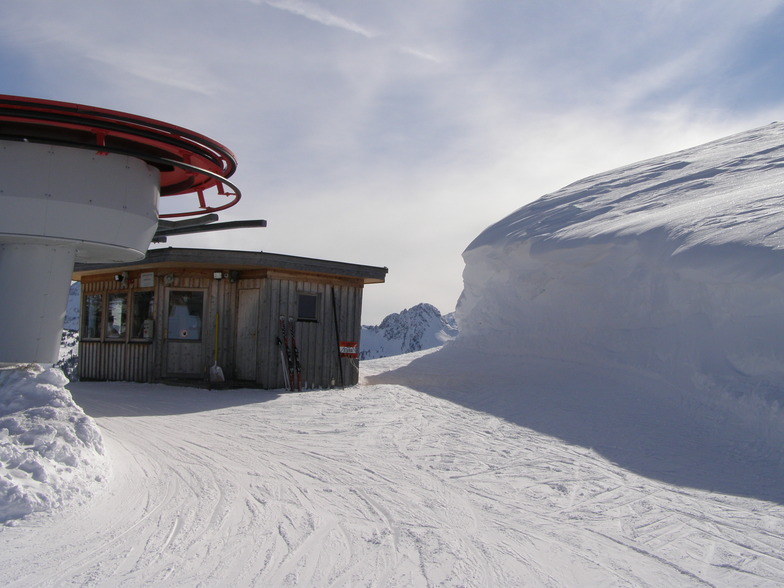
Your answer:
<point x="383" y="484"/>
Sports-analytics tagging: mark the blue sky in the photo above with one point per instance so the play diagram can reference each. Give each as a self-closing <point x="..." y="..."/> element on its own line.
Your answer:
<point x="393" y="132"/>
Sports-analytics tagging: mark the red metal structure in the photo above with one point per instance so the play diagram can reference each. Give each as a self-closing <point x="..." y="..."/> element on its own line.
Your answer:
<point x="189" y="163"/>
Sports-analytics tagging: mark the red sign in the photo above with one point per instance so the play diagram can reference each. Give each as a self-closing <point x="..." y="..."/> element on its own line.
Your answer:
<point x="349" y="349"/>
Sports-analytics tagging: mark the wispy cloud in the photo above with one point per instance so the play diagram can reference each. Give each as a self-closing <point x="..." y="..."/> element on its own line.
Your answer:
<point x="420" y="54"/>
<point x="321" y="15"/>
<point x="180" y="74"/>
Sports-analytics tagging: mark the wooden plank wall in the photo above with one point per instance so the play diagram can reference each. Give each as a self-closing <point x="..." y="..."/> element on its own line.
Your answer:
<point x="127" y="362"/>
<point x="278" y="295"/>
<point x="113" y="360"/>
<point x="230" y="347"/>
<point x="150" y="361"/>
<point x="316" y="341"/>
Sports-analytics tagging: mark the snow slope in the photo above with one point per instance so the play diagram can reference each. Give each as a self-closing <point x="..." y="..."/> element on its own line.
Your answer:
<point x="413" y="329"/>
<point x="397" y="482"/>
<point x="674" y="264"/>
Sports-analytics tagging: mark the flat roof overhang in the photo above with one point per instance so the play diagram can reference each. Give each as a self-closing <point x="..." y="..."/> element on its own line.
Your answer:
<point x="236" y="260"/>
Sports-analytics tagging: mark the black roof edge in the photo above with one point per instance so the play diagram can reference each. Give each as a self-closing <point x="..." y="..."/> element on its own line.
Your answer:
<point x="250" y="259"/>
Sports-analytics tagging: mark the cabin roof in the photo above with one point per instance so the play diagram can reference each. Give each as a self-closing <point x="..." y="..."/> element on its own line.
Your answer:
<point x="236" y="260"/>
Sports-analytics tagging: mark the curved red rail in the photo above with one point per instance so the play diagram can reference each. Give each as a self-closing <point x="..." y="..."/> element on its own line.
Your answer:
<point x="189" y="162"/>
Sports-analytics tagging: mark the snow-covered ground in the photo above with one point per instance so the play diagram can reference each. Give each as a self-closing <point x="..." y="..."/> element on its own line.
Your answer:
<point x="424" y="475"/>
<point x="610" y="415"/>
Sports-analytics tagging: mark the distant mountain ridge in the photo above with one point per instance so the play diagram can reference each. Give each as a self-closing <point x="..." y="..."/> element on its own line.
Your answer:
<point x="412" y="329"/>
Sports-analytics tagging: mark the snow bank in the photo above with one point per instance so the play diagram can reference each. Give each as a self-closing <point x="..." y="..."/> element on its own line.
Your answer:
<point x="51" y="453"/>
<point x="674" y="264"/>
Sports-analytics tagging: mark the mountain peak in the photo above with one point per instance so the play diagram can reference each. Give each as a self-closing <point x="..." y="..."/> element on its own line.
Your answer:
<point x="420" y="327"/>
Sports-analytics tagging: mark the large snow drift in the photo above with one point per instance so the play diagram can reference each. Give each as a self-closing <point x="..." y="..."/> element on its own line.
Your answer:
<point x="673" y="264"/>
<point x="51" y="453"/>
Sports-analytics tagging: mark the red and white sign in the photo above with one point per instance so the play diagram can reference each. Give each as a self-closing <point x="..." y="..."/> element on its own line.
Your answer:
<point x="349" y="349"/>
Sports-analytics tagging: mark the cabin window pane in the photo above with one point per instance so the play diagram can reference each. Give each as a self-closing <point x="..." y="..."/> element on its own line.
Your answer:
<point x="306" y="307"/>
<point x="91" y="316"/>
<point x="143" y="311"/>
<point x="116" y="315"/>
<point x="185" y="314"/>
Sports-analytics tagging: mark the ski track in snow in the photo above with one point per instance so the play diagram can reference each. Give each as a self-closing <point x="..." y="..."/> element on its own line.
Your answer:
<point x="376" y="485"/>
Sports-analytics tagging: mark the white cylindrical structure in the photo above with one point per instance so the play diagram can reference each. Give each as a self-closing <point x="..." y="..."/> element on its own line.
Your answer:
<point x="103" y="203"/>
<point x="61" y="204"/>
<point x="80" y="183"/>
<point x="34" y="284"/>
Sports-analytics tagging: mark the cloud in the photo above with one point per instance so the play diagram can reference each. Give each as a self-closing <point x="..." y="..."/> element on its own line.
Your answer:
<point x="420" y="54"/>
<point x="319" y="14"/>
<point x="316" y="13"/>
<point x="392" y="132"/>
<point x="148" y="66"/>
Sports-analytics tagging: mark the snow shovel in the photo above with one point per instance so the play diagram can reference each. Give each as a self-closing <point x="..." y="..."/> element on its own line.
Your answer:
<point x="216" y="373"/>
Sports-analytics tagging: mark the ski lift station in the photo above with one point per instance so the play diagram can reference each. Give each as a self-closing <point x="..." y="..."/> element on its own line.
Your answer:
<point x="175" y="313"/>
<point x="80" y="189"/>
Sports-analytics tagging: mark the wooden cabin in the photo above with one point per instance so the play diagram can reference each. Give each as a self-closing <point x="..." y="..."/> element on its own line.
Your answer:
<point x="179" y="313"/>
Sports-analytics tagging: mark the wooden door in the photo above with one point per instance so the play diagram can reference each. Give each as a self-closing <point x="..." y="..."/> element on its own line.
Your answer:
<point x="186" y="328"/>
<point x="246" y="345"/>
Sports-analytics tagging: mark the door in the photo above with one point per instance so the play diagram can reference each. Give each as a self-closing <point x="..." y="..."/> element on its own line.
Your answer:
<point x="184" y="333"/>
<point x="246" y="345"/>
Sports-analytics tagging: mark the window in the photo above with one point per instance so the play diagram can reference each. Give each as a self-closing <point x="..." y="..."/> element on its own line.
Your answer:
<point x="185" y="313"/>
<point x="91" y="316"/>
<point x="116" y="315"/>
<point x="307" y="307"/>
<point x="142" y="313"/>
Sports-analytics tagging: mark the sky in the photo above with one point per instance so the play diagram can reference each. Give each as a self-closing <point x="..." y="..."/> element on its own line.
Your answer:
<point x="391" y="133"/>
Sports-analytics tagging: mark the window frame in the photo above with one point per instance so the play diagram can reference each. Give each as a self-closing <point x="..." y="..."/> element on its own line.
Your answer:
<point x="134" y="328"/>
<point x="122" y="336"/>
<point x="170" y="293"/>
<point x="84" y="318"/>
<point x="316" y="306"/>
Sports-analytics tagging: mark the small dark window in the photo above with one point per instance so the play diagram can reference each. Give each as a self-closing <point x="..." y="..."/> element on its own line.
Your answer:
<point x="307" y="307"/>
<point x="143" y="311"/>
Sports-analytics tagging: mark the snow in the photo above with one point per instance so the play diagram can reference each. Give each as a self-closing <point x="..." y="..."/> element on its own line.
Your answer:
<point x="51" y="453"/>
<point x="608" y="416"/>
<point x="672" y="264"/>
<point x="423" y="475"/>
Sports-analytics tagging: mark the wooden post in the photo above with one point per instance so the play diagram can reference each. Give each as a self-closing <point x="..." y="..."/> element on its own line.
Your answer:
<point x="337" y="336"/>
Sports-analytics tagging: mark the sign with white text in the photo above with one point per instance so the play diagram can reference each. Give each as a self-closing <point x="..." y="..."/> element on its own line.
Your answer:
<point x="349" y="349"/>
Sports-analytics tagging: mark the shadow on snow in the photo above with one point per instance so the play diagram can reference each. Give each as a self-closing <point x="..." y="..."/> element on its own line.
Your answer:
<point x="124" y="399"/>
<point x="635" y="419"/>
